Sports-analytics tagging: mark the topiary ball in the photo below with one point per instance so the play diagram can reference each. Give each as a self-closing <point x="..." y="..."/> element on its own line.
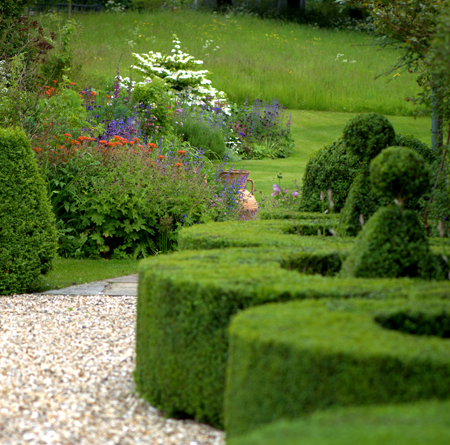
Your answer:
<point x="400" y="173"/>
<point x="367" y="134"/>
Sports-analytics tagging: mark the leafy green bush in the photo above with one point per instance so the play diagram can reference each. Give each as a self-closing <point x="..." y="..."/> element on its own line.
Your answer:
<point x="122" y="202"/>
<point x="201" y="130"/>
<point x="333" y="167"/>
<point x="400" y="173"/>
<point x="392" y="244"/>
<point x="27" y="227"/>
<point x="155" y="110"/>
<point x="288" y="360"/>
<point x="367" y="134"/>
<point x="186" y="301"/>
<point x="361" y="203"/>
<point x="414" y="423"/>
<point x="418" y="146"/>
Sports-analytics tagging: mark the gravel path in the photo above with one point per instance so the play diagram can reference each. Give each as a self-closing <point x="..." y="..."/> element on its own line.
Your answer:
<point x="66" y="366"/>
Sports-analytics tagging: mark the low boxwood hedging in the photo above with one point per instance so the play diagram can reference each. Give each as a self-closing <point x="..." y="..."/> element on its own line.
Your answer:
<point x="287" y="360"/>
<point x="259" y="233"/>
<point x="186" y="301"/>
<point x="421" y="423"/>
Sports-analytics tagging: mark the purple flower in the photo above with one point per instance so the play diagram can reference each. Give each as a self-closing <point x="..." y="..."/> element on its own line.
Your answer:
<point x="276" y="190"/>
<point x="294" y="193"/>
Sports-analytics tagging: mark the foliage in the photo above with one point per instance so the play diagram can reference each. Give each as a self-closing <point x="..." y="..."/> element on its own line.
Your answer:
<point x="156" y="108"/>
<point x="397" y="424"/>
<point x="61" y="59"/>
<point x="392" y="244"/>
<point x="203" y="129"/>
<point x="367" y="134"/>
<point x="361" y="203"/>
<point x="333" y="167"/>
<point x="180" y="71"/>
<point x="420" y="147"/>
<point x="187" y="299"/>
<point x="27" y="227"/>
<point x="260" y="130"/>
<point x="289" y="360"/>
<point x="400" y="173"/>
<point x="118" y="199"/>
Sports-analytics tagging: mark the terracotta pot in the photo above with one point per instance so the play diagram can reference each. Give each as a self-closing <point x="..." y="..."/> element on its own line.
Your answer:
<point x="249" y="206"/>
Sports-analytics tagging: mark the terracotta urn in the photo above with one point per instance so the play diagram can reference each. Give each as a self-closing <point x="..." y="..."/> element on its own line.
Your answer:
<point x="239" y="179"/>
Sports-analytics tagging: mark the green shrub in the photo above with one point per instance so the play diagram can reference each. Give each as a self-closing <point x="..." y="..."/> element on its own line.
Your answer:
<point x="197" y="128"/>
<point x="418" y="146"/>
<point x="333" y="167"/>
<point x="288" y="360"/>
<point x="367" y="134"/>
<point x="361" y="203"/>
<point x="420" y="423"/>
<point x="27" y="228"/>
<point x="259" y="233"/>
<point x="155" y="110"/>
<point x="392" y="244"/>
<point x="120" y="203"/>
<point x="186" y="301"/>
<point x="400" y="173"/>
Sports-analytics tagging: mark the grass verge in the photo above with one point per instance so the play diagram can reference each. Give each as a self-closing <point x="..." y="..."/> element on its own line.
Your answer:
<point x="69" y="272"/>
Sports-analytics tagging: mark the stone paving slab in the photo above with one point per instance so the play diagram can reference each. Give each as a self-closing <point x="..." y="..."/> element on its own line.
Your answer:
<point x="112" y="286"/>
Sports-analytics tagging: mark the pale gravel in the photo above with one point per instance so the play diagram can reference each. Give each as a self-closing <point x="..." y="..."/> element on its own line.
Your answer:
<point x="66" y="366"/>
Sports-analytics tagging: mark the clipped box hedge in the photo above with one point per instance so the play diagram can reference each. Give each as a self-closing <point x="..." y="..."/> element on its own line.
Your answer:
<point x="186" y="301"/>
<point x="421" y="423"/>
<point x="287" y="360"/>
<point x="258" y="233"/>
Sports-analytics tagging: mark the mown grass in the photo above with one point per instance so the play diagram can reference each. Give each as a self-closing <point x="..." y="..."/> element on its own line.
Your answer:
<point x="68" y="272"/>
<point x="255" y="58"/>
<point x="311" y="131"/>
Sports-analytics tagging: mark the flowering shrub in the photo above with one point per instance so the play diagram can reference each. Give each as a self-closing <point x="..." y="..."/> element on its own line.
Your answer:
<point x="122" y="198"/>
<point x="260" y="131"/>
<point x="180" y="71"/>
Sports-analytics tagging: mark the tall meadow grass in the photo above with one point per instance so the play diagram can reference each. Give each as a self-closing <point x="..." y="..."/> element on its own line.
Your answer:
<point x="253" y="58"/>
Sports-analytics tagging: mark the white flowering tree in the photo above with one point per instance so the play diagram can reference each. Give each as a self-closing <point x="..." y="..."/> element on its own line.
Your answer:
<point x="180" y="71"/>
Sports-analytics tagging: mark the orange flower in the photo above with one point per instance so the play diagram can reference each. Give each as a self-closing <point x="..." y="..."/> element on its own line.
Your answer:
<point x="178" y="164"/>
<point x="81" y="138"/>
<point x="93" y="93"/>
<point x="140" y="146"/>
<point x="131" y="142"/>
<point x="73" y="83"/>
<point x="124" y="141"/>
<point x="108" y="97"/>
<point x="161" y="157"/>
<point x="110" y="144"/>
<point x="37" y="149"/>
<point x="46" y="86"/>
<point x="103" y="142"/>
<point x="181" y="152"/>
<point x="152" y="145"/>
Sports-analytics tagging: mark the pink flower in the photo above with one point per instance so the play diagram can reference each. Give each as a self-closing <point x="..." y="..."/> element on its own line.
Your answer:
<point x="294" y="193"/>
<point x="276" y="190"/>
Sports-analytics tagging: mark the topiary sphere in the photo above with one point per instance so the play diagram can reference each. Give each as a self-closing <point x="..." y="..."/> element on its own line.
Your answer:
<point x="367" y="134"/>
<point x="400" y="173"/>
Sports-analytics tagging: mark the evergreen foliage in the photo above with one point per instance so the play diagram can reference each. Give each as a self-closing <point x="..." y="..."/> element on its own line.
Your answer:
<point x="400" y="173"/>
<point x="288" y="360"/>
<point x="367" y="134"/>
<point x="27" y="228"/>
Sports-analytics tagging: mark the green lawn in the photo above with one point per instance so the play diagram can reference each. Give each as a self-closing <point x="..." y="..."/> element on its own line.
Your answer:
<point x="68" y="272"/>
<point x="311" y="131"/>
